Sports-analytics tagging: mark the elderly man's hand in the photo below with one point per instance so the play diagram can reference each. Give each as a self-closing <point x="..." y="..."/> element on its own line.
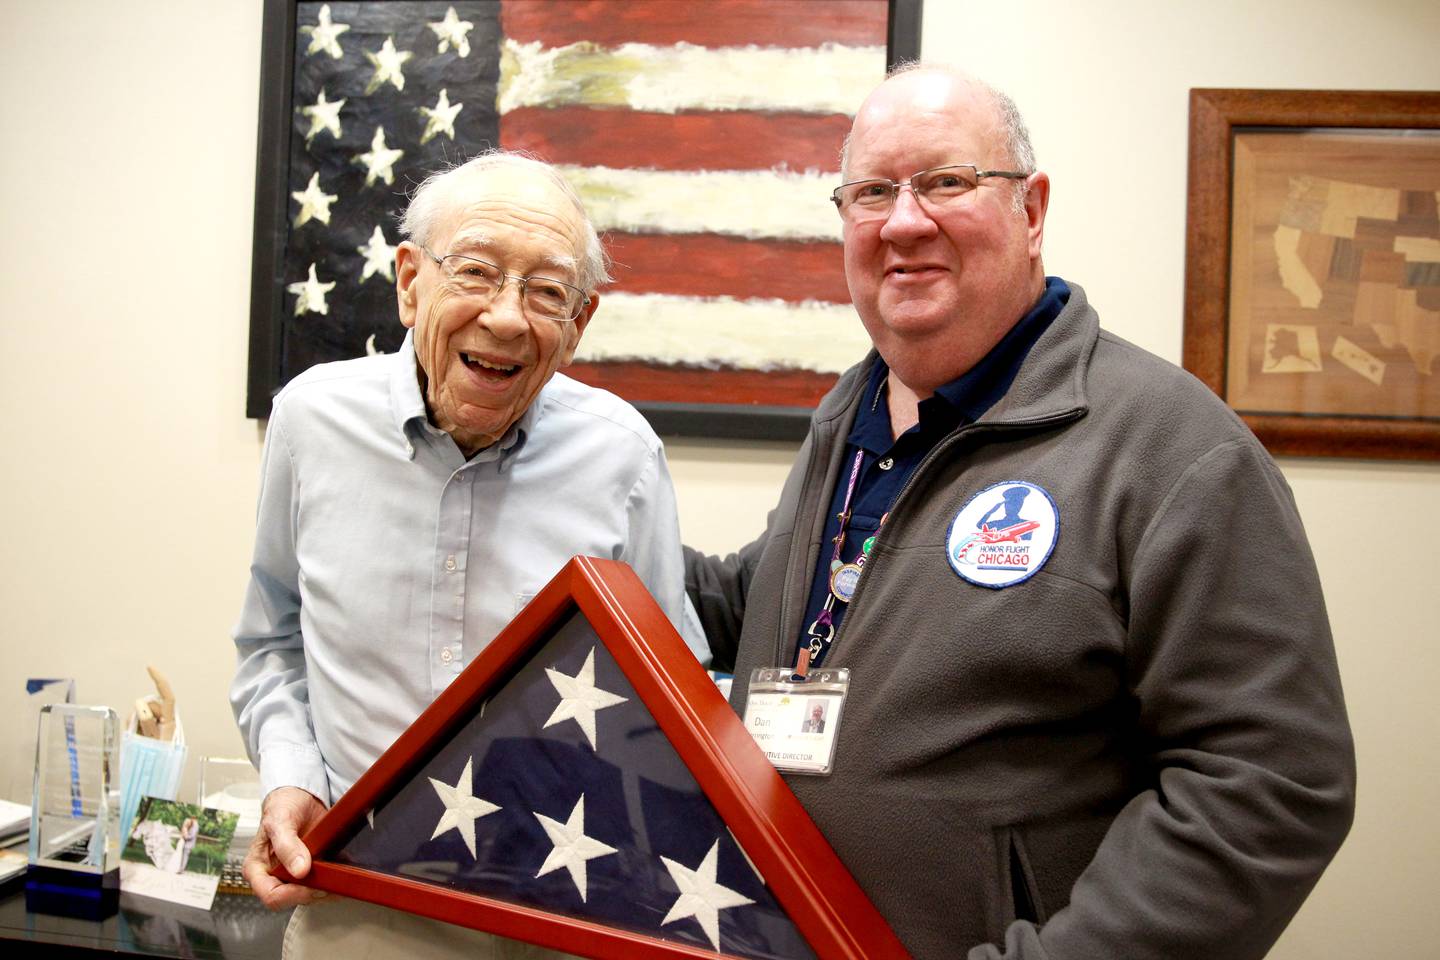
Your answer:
<point x="287" y="813"/>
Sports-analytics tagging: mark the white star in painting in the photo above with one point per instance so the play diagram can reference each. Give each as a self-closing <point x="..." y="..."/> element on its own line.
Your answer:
<point x="452" y="30"/>
<point x="314" y="202"/>
<point x="462" y="808"/>
<point x="700" y="896"/>
<point x="311" y="294"/>
<point x="325" y="35"/>
<point x="572" y="848"/>
<point x="440" y="118"/>
<point x="580" y="698"/>
<point x="378" y="255"/>
<point x="387" y="63"/>
<point x="380" y="160"/>
<point x="324" y="115"/>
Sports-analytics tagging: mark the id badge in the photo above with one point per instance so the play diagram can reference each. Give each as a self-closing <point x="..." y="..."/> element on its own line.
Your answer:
<point x="795" y="722"/>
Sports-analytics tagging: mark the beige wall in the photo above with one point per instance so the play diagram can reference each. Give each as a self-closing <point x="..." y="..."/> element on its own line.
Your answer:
<point x="126" y="179"/>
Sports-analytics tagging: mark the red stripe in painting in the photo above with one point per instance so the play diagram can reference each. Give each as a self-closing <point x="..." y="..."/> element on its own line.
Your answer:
<point x="640" y="382"/>
<point x="701" y="140"/>
<point x="708" y="23"/>
<point x="707" y="265"/>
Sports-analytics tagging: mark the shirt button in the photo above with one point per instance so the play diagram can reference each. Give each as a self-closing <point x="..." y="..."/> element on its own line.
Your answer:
<point x="450" y="563"/>
<point x="885" y="464"/>
<point x="446" y="656"/>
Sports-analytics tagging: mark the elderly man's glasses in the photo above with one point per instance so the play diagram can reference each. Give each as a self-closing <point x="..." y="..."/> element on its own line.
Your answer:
<point x="938" y="186"/>
<point x="539" y="296"/>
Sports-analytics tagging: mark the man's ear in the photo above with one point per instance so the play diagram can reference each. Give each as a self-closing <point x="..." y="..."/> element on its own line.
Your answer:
<point x="407" y="268"/>
<point x="1037" y="201"/>
<point x="581" y="322"/>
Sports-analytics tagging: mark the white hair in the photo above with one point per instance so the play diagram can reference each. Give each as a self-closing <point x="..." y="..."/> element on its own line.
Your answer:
<point x="435" y="193"/>
<point x="1019" y="152"/>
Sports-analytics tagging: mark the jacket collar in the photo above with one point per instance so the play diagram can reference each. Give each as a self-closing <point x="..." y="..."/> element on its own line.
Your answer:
<point x="1049" y="386"/>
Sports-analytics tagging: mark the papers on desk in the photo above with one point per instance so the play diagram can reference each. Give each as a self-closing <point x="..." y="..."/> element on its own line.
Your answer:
<point x="14" y="822"/>
<point x="14" y="831"/>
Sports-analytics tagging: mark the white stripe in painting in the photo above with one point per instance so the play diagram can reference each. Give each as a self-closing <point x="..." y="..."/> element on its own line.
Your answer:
<point x="757" y="204"/>
<point x="827" y="79"/>
<point x="722" y="331"/>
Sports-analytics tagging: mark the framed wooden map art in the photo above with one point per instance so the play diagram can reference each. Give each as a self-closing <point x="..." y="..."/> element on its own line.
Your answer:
<point x="1313" y="267"/>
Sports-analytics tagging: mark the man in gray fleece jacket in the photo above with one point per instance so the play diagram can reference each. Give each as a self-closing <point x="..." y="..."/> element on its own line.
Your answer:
<point x="1094" y="710"/>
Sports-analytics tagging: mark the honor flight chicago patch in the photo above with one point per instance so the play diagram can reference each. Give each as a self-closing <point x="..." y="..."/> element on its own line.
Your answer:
<point x="1004" y="535"/>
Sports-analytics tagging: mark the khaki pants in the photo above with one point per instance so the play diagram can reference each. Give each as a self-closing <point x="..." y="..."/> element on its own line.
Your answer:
<point x="356" y="930"/>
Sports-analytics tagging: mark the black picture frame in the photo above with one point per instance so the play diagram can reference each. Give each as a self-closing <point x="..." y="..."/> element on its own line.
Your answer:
<point x="271" y="229"/>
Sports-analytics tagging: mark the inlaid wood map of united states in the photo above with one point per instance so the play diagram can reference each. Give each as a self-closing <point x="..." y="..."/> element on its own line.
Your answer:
<point x="1336" y="274"/>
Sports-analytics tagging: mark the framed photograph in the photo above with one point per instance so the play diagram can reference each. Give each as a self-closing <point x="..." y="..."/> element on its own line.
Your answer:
<point x="583" y="786"/>
<point x="1312" y="280"/>
<point x="703" y="138"/>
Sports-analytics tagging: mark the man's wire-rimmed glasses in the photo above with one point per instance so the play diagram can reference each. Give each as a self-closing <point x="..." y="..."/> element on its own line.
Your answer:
<point x="539" y="296"/>
<point x="874" y="197"/>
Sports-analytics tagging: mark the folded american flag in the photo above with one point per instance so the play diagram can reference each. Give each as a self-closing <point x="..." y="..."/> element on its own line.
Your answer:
<point x="582" y="785"/>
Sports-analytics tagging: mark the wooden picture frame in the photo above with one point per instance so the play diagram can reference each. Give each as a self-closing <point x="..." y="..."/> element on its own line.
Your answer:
<point x="783" y="846"/>
<point x="705" y="327"/>
<point x="1312" y="279"/>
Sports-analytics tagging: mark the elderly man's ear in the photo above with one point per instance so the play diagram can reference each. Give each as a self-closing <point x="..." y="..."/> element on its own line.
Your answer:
<point x="581" y="322"/>
<point x="407" y="268"/>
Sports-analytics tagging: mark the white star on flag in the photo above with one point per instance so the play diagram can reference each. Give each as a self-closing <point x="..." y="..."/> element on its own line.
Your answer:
<point x="380" y="160"/>
<point x="700" y="896"/>
<point x="452" y="30"/>
<point x="462" y="807"/>
<point x="572" y="848"/>
<point x="440" y="118"/>
<point x="324" y="115"/>
<point x="325" y="35"/>
<point x="580" y="698"/>
<point x="314" y="202"/>
<point x="379" y="256"/>
<point x="311" y="294"/>
<point x="387" y="63"/>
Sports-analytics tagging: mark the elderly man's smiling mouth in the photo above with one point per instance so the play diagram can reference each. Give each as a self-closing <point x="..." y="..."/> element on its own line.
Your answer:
<point x="488" y="367"/>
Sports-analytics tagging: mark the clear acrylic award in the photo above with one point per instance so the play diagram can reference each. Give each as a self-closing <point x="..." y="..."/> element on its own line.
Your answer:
<point x="75" y="819"/>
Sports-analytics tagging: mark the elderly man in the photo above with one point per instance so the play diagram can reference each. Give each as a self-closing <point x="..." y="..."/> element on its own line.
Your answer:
<point x="411" y="504"/>
<point x="1093" y="704"/>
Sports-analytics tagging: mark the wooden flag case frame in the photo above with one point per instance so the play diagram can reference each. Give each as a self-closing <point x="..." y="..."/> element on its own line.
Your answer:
<point x="808" y="880"/>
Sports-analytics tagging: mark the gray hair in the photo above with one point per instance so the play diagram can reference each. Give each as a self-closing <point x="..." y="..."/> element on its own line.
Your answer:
<point x="1019" y="152"/>
<point x="431" y="198"/>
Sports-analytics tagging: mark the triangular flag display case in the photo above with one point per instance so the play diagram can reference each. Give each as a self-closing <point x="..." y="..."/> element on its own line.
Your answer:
<point x="583" y="786"/>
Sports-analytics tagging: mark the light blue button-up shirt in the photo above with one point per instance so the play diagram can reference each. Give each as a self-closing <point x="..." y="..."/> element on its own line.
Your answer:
<point x="385" y="561"/>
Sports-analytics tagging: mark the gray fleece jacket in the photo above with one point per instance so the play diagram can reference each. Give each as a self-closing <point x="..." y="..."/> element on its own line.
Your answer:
<point x="1140" y="752"/>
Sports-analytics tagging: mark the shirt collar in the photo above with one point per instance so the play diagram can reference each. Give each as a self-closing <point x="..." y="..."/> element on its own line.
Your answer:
<point x="966" y="398"/>
<point x="407" y="406"/>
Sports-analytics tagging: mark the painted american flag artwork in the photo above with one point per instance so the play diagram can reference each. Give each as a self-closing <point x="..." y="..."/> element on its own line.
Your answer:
<point x="703" y="138"/>
<point x="554" y="794"/>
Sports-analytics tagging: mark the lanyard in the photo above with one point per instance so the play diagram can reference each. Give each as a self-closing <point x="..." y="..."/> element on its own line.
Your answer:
<point x="843" y="578"/>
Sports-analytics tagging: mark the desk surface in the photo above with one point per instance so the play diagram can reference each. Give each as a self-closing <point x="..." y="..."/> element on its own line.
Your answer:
<point x="235" y="928"/>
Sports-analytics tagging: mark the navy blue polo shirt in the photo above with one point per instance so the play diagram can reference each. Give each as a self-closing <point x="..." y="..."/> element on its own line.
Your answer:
<point x="886" y="463"/>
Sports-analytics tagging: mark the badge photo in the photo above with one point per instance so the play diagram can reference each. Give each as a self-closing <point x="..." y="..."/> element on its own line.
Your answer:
<point x="1003" y="535"/>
